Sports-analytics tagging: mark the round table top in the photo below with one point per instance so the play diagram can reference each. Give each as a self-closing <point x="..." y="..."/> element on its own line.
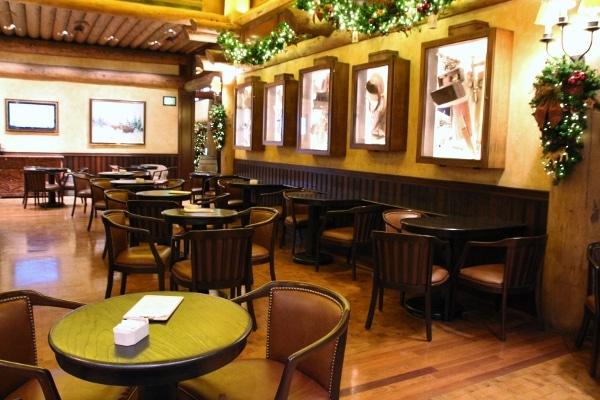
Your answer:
<point x="457" y="224"/>
<point x="164" y="194"/>
<point x="132" y="182"/>
<point x="319" y="199"/>
<point x="203" y="216"/>
<point x="116" y="175"/>
<point x="203" y="334"/>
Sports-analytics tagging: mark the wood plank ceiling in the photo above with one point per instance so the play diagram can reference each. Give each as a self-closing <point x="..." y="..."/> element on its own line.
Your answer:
<point x="36" y="20"/>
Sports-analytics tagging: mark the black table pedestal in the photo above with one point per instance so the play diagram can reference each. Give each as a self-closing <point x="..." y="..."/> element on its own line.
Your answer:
<point x="310" y="259"/>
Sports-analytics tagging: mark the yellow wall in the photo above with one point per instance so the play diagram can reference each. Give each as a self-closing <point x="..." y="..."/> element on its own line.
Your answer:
<point x="523" y="166"/>
<point x="74" y="108"/>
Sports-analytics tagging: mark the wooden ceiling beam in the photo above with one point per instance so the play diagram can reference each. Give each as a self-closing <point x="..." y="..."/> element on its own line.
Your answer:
<point x="32" y="46"/>
<point x="141" y="11"/>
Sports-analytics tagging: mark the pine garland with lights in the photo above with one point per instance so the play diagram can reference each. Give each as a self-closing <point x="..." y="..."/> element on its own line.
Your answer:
<point x="564" y="92"/>
<point x="366" y="16"/>
<point x="373" y="16"/>
<point x="201" y="132"/>
<point x="259" y="52"/>
<point x="218" y="117"/>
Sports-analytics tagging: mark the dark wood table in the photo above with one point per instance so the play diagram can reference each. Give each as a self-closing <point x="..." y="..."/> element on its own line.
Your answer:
<point x="52" y="180"/>
<point x="203" y="334"/>
<point x="116" y="175"/>
<point x="317" y="202"/>
<point x="204" y="216"/>
<point x="164" y="194"/>
<point x="251" y="187"/>
<point x="457" y="230"/>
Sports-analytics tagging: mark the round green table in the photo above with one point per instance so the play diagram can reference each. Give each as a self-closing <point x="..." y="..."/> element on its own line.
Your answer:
<point x="203" y="334"/>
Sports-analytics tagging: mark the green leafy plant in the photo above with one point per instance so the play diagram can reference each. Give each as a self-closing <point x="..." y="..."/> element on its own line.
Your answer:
<point x="201" y="132"/>
<point x="564" y="91"/>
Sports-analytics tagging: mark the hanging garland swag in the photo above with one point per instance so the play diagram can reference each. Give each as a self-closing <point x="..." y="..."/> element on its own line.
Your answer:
<point x="366" y="16"/>
<point x="564" y="91"/>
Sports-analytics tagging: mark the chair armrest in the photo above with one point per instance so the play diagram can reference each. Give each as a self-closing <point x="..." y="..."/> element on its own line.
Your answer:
<point x="42" y="375"/>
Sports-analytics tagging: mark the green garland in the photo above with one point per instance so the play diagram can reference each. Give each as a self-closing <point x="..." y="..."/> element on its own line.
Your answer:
<point x="201" y="132"/>
<point x="256" y="53"/>
<point x="368" y="17"/>
<point x="218" y="118"/>
<point x="564" y="91"/>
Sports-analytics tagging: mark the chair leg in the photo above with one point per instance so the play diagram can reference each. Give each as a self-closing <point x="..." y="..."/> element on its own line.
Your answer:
<point x="123" y="283"/>
<point x="595" y="346"/>
<point x="74" y="202"/>
<point x="503" y="320"/>
<point x="374" y="296"/>
<point x="428" y="316"/>
<point x="272" y="269"/>
<point x="109" y="285"/>
<point x="92" y="215"/>
<point x="585" y="323"/>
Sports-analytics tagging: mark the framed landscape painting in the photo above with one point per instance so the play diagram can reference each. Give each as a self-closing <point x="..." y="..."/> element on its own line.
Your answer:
<point x="117" y="122"/>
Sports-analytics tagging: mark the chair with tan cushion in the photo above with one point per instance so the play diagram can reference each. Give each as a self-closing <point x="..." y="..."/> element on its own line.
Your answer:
<point x="405" y="262"/>
<point x="591" y="306"/>
<point x="20" y="375"/>
<point x="349" y="229"/>
<point x="35" y="182"/>
<point x="116" y="199"/>
<point x="295" y="216"/>
<point x="98" y="186"/>
<point x="263" y="221"/>
<point x="132" y="247"/>
<point x="393" y="218"/>
<point x="519" y="270"/>
<point x="81" y="189"/>
<point x="307" y="327"/>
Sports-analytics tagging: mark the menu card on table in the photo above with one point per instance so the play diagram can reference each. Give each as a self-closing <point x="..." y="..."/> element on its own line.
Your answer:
<point x="154" y="307"/>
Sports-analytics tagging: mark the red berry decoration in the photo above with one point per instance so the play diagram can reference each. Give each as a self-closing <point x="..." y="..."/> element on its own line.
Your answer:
<point x="572" y="80"/>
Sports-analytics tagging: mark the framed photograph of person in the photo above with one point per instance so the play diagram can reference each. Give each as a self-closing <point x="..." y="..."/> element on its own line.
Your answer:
<point x="248" y="114"/>
<point x="463" y="114"/>
<point x="323" y="108"/>
<point x="380" y="102"/>
<point x="280" y="111"/>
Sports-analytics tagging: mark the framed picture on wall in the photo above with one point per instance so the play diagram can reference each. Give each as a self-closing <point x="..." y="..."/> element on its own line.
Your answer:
<point x="248" y="114"/>
<point x="117" y="122"/>
<point x="280" y="111"/>
<point x="323" y="108"/>
<point x="465" y="87"/>
<point x="31" y="116"/>
<point x="380" y="102"/>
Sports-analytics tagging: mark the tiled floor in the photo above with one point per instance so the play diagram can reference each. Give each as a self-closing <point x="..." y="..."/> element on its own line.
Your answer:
<point x="51" y="252"/>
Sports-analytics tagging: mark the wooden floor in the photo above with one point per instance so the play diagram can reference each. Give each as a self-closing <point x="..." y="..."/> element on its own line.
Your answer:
<point x="48" y="251"/>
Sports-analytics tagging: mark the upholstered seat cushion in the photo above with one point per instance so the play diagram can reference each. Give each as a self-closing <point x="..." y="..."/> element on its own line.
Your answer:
<point x="182" y="270"/>
<point x="259" y="252"/>
<point x="439" y="275"/>
<point x="250" y="379"/>
<point x="71" y="388"/>
<point x="84" y="193"/>
<point x="343" y="234"/>
<point x="590" y="302"/>
<point x="141" y="255"/>
<point x="300" y="219"/>
<point x="491" y="274"/>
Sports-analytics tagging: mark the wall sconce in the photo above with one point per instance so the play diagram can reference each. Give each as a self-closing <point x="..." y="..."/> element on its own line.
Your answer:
<point x="554" y="12"/>
<point x="216" y="85"/>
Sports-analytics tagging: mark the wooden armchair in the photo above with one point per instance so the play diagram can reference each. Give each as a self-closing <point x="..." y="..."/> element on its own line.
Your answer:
<point x="307" y="328"/>
<point x="520" y="271"/>
<point x="21" y="377"/>
<point x="350" y="229"/>
<point x="405" y="262"/>
<point x="263" y="221"/>
<point x="393" y="217"/>
<point x="132" y="244"/>
<point x="591" y="306"/>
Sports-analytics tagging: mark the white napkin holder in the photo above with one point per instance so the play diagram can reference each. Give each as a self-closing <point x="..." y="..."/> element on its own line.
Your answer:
<point x="131" y="331"/>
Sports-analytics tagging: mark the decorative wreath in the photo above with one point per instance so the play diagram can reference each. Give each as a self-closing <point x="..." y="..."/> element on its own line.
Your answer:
<point x="362" y="16"/>
<point x="564" y="92"/>
<point x="218" y="117"/>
